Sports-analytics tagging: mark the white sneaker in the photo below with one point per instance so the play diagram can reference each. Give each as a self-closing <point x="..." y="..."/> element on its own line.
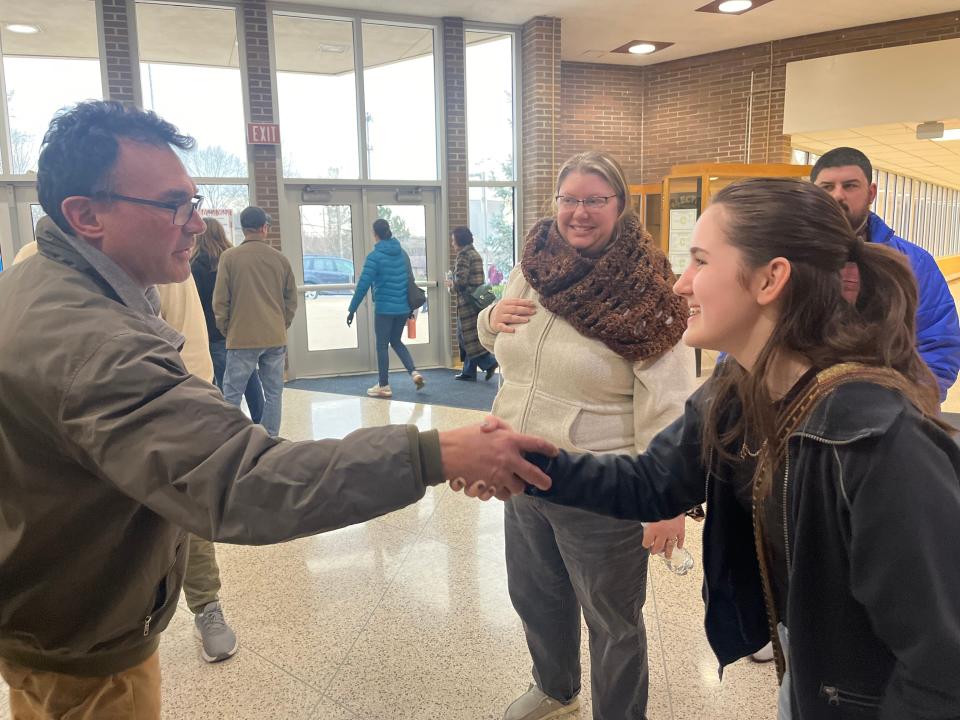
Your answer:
<point x="380" y="391"/>
<point x="535" y="704"/>
<point x="418" y="380"/>
<point x="764" y="654"/>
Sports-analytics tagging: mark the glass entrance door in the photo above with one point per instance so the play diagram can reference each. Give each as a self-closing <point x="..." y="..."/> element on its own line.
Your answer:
<point x="413" y="219"/>
<point x="19" y="212"/>
<point x="327" y="236"/>
<point x="325" y="246"/>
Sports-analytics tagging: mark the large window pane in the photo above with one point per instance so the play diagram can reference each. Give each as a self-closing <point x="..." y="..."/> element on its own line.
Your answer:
<point x="316" y="88"/>
<point x="326" y="232"/>
<point x="46" y="70"/>
<point x="489" y="106"/>
<point x="400" y="102"/>
<point x="492" y="223"/>
<point x="190" y="74"/>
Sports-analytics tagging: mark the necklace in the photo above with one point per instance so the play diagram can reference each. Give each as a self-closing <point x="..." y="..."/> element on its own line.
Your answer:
<point x="746" y="452"/>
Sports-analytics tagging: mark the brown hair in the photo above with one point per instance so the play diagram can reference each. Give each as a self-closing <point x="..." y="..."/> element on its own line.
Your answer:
<point x="769" y="218"/>
<point x="212" y="241"/>
<point x="600" y="163"/>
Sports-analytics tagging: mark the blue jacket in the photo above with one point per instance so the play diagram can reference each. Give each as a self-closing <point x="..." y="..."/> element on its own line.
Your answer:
<point x="938" y="330"/>
<point x="386" y="270"/>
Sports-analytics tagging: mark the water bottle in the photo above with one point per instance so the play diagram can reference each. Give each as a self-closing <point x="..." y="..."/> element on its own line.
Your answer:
<point x="680" y="561"/>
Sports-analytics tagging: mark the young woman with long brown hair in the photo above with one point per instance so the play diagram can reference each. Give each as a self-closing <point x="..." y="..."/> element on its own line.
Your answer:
<point x="832" y="486"/>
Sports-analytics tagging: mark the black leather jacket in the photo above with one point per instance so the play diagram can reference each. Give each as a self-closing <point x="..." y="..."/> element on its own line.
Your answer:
<point x="873" y="549"/>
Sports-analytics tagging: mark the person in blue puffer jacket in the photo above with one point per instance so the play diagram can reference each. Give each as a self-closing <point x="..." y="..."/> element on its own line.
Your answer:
<point x="846" y="173"/>
<point x="386" y="269"/>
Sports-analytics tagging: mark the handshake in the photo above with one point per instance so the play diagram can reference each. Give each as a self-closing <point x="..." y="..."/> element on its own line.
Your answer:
<point x="486" y="460"/>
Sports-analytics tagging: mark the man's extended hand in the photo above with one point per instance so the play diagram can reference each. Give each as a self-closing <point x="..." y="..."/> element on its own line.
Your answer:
<point x="489" y="462"/>
<point x="349" y="319"/>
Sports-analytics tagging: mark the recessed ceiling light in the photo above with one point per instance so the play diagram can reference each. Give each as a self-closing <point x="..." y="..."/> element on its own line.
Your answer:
<point x="23" y="29"/>
<point x="639" y="46"/>
<point x="735" y="6"/>
<point x="953" y="134"/>
<point x="732" y="7"/>
<point x="332" y="48"/>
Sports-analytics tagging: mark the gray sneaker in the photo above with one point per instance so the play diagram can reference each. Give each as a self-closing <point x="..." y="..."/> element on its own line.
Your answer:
<point x="219" y="641"/>
<point x="535" y="704"/>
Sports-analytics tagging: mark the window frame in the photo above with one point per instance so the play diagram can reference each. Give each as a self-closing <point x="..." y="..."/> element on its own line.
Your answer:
<point x="435" y="25"/>
<point x="515" y="184"/>
<point x="6" y="143"/>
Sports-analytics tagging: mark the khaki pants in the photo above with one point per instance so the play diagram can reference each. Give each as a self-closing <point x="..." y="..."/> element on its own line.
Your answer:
<point x="133" y="694"/>
<point x="201" y="584"/>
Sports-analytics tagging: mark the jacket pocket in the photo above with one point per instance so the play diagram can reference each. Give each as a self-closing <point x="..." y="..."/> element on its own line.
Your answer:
<point x="164" y="590"/>
<point x="849" y="703"/>
<point x="609" y="431"/>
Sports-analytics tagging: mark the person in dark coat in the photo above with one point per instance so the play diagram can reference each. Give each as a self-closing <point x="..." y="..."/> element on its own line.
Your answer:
<point x="467" y="277"/>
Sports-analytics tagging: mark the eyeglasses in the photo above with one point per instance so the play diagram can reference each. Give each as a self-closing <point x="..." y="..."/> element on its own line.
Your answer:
<point x="591" y="203"/>
<point x="182" y="211"/>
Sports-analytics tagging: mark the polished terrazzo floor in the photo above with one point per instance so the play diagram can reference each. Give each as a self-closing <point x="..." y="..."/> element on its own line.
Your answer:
<point x="407" y="617"/>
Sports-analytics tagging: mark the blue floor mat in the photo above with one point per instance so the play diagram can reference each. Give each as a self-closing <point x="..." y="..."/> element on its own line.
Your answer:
<point x="441" y="388"/>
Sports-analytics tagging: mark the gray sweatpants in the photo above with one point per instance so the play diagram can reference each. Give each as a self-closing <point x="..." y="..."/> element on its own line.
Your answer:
<point x="562" y="559"/>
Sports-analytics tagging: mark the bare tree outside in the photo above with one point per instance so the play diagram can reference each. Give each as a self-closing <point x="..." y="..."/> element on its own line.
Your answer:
<point x="22" y="152"/>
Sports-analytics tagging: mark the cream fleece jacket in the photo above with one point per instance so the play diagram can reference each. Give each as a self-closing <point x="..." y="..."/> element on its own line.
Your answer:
<point x="575" y="391"/>
<point x="180" y="307"/>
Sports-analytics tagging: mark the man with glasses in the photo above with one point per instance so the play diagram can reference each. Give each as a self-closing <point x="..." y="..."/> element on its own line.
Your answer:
<point x="254" y="301"/>
<point x="110" y="450"/>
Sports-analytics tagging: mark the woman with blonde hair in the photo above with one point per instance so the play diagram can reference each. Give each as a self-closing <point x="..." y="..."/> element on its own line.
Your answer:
<point x="588" y="339"/>
<point x="206" y="255"/>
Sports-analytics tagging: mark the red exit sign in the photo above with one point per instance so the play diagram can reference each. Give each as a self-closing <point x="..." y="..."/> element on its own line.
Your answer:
<point x="263" y="134"/>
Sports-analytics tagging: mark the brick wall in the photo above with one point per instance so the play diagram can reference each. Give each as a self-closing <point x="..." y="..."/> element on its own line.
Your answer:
<point x="540" y="107"/>
<point x="264" y="159"/>
<point x="696" y="109"/>
<point x="119" y="57"/>
<point x="455" y="111"/>
<point x="601" y="109"/>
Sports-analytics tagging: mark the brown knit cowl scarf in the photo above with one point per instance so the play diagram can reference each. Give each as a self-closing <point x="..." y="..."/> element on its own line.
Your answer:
<point x="623" y="298"/>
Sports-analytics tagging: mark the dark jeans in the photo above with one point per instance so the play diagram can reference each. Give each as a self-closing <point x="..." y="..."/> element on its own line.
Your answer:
<point x="254" y="392"/>
<point x="470" y="364"/>
<point x="389" y="332"/>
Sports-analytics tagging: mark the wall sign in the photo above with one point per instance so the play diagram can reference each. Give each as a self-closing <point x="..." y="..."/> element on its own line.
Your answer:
<point x="263" y="134"/>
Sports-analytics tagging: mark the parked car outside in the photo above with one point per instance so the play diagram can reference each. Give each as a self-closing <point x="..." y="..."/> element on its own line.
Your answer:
<point x="326" y="270"/>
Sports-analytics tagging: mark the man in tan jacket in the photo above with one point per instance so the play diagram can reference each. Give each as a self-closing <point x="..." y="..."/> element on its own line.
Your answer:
<point x="254" y="301"/>
<point x="111" y="450"/>
<point x="180" y="307"/>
